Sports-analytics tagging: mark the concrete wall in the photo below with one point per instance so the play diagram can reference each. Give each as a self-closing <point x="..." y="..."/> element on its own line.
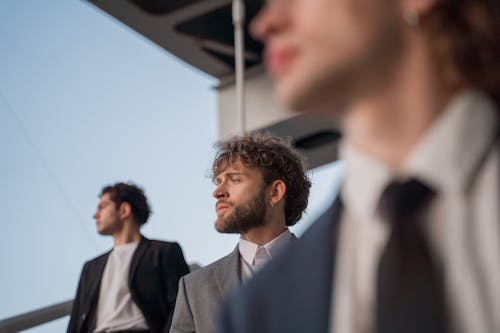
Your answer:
<point x="263" y="112"/>
<point x="261" y="107"/>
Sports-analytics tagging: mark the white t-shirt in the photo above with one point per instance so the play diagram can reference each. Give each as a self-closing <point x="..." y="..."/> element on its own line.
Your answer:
<point x="115" y="308"/>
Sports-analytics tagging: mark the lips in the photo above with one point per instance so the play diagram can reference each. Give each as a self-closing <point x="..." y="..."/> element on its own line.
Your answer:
<point x="278" y="60"/>
<point x="221" y="206"/>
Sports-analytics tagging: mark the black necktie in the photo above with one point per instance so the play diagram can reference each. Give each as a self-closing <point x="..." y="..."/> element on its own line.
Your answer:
<point x="410" y="295"/>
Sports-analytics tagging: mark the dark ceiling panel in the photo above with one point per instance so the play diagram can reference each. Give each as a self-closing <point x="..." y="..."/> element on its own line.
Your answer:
<point x="162" y="7"/>
<point x="217" y="26"/>
<point x="229" y="60"/>
<point x="200" y="32"/>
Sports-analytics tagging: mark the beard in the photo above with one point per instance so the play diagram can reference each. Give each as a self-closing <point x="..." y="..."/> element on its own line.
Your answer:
<point x="110" y="225"/>
<point x="245" y="216"/>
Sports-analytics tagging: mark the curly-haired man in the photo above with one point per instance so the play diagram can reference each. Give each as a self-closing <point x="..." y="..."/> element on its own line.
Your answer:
<point x="262" y="189"/>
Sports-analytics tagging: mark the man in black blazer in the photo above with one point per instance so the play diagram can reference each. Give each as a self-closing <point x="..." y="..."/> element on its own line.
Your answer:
<point x="412" y="244"/>
<point x="133" y="287"/>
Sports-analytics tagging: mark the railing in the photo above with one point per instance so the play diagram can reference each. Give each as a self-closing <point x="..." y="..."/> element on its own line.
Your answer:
<point x="46" y="314"/>
<point x="35" y="318"/>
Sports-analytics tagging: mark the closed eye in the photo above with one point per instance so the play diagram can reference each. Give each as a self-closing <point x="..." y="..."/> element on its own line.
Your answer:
<point x="234" y="178"/>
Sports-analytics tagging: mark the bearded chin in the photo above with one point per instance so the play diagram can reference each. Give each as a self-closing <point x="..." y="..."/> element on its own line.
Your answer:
<point x="244" y="217"/>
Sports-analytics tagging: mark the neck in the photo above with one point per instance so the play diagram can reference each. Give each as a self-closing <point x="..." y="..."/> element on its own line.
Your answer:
<point x="268" y="232"/>
<point x="389" y="123"/>
<point x="130" y="233"/>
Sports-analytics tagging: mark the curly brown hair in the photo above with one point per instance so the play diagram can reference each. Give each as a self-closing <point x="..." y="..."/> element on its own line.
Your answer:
<point x="466" y="36"/>
<point x="276" y="159"/>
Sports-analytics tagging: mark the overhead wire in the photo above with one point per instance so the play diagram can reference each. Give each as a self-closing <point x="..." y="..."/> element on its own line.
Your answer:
<point x="45" y="165"/>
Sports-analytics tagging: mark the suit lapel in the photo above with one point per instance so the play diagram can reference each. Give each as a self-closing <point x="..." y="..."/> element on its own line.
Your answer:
<point x="136" y="259"/>
<point x="325" y="249"/>
<point x="95" y="277"/>
<point x="227" y="275"/>
<point x="309" y="286"/>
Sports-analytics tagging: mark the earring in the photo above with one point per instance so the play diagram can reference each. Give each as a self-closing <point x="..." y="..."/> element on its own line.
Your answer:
<point x="271" y="204"/>
<point x="411" y="18"/>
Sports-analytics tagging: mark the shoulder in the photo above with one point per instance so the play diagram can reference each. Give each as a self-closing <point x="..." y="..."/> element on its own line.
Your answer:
<point x="200" y="275"/>
<point x="95" y="264"/>
<point x="161" y="244"/>
<point x="168" y="253"/>
<point x="164" y="247"/>
<point x="97" y="260"/>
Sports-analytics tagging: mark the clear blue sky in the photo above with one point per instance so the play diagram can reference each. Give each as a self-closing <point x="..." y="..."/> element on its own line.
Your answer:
<point x="84" y="102"/>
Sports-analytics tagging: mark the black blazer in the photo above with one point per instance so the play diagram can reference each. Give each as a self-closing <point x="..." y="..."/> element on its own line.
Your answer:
<point x="155" y="271"/>
<point x="293" y="293"/>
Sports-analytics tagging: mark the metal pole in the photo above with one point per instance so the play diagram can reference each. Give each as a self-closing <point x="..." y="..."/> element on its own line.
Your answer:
<point x="239" y="44"/>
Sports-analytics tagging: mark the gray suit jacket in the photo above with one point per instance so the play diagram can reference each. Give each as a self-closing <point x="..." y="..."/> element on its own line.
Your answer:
<point x="202" y="292"/>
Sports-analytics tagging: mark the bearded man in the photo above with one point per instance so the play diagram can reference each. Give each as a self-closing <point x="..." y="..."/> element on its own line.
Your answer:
<point x="262" y="189"/>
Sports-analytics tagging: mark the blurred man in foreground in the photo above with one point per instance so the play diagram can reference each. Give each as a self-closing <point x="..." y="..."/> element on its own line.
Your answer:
<point x="131" y="288"/>
<point x="413" y="242"/>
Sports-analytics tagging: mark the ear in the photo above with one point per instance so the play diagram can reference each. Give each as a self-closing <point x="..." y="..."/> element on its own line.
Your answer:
<point x="277" y="192"/>
<point x="125" y="210"/>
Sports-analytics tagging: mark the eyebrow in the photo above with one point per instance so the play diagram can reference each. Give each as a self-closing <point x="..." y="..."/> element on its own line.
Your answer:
<point x="103" y="203"/>
<point x="229" y="174"/>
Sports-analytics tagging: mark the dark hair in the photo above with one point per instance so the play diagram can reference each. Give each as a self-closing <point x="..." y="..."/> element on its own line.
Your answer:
<point x="466" y="35"/>
<point x="277" y="161"/>
<point x="133" y="195"/>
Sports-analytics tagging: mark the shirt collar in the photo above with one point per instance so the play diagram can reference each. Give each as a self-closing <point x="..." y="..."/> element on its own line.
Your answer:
<point x="447" y="156"/>
<point x="248" y="249"/>
<point x="444" y="159"/>
<point x="125" y="247"/>
<point x="365" y="180"/>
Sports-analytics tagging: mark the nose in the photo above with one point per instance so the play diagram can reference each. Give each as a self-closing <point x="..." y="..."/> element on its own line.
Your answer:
<point x="270" y="19"/>
<point x="220" y="192"/>
<point x="96" y="215"/>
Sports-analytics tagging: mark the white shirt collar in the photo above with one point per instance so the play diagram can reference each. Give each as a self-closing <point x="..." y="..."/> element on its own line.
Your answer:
<point x="444" y="159"/>
<point x="365" y="180"/>
<point x="125" y="247"/>
<point x="248" y="249"/>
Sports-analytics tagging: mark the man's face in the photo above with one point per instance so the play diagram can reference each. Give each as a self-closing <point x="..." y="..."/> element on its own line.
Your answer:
<point x="107" y="216"/>
<point x="241" y="199"/>
<point x="325" y="53"/>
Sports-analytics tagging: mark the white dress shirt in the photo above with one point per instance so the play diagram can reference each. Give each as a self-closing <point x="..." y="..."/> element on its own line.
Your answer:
<point x="116" y="310"/>
<point x="459" y="158"/>
<point x="253" y="257"/>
